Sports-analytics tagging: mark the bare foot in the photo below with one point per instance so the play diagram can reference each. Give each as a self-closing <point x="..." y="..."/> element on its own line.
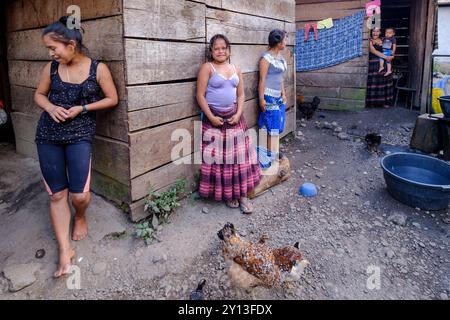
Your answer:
<point x="381" y="70"/>
<point x="80" y="228"/>
<point x="246" y="205"/>
<point x="388" y="73"/>
<point x="65" y="259"/>
<point x="386" y="106"/>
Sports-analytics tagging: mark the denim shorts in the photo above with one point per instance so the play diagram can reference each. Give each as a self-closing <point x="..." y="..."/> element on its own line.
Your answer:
<point x="387" y="52"/>
<point x="274" y="118"/>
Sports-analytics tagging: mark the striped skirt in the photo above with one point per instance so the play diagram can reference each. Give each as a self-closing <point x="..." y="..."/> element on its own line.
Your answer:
<point x="380" y="89"/>
<point x="229" y="167"/>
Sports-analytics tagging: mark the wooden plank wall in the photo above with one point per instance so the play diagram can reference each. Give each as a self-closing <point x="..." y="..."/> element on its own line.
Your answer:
<point x="165" y="44"/>
<point x="341" y="87"/>
<point x="103" y="24"/>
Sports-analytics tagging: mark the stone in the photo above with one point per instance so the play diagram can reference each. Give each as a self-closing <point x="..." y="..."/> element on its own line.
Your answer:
<point x="338" y="130"/>
<point x="99" y="268"/>
<point x="21" y="276"/>
<point x="398" y="219"/>
<point x="389" y="253"/>
<point x="327" y="125"/>
<point x="343" y="136"/>
<point x="416" y="224"/>
<point x="443" y="296"/>
<point x="205" y="210"/>
<point x="3" y="285"/>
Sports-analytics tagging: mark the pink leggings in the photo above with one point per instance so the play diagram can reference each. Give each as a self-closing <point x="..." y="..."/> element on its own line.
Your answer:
<point x="308" y="27"/>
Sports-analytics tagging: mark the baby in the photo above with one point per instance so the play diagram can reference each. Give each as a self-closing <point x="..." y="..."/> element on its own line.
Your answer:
<point x="389" y="48"/>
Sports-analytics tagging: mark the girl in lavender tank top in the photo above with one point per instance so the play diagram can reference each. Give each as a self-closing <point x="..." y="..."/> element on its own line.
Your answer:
<point x="229" y="169"/>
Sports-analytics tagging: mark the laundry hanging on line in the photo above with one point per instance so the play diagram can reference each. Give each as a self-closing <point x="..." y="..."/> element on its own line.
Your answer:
<point x="342" y="42"/>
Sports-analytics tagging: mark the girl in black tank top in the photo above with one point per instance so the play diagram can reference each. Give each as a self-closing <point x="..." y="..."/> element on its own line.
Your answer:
<point x="71" y="88"/>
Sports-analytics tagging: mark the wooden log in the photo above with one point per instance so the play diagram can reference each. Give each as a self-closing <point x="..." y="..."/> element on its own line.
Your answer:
<point x="103" y="38"/>
<point x="28" y="14"/>
<point x="154" y="61"/>
<point x="169" y="19"/>
<point x="268" y="181"/>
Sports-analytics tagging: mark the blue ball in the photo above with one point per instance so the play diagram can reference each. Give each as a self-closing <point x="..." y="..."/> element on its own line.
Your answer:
<point x="308" y="190"/>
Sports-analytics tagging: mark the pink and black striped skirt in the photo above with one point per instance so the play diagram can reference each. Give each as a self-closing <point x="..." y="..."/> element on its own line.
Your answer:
<point x="229" y="167"/>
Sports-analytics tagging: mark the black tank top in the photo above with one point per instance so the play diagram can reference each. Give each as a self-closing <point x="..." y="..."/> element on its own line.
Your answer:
<point x="67" y="95"/>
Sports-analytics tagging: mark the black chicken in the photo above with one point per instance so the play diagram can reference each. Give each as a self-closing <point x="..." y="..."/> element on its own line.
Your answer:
<point x="307" y="109"/>
<point x="197" y="294"/>
<point x="373" y="140"/>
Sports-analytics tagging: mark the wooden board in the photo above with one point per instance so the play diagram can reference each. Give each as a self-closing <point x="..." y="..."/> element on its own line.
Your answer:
<point x="280" y="10"/>
<point x="110" y="188"/>
<point x="169" y="19"/>
<point x="27" y="74"/>
<point x="152" y="148"/>
<point x="163" y="177"/>
<point x="22" y="100"/>
<point x="24" y="126"/>
<point x="103" y="38"/>
<point x="113" y="123"/>
<point x="240" y="28"/>
<point x="111" y="158"/>
<point x="331" y="80"/>
<point x="247" y="56"/>
<point x="156" y="61"/>
<point x="28" y="14"/>
<point x="158" y="100"/>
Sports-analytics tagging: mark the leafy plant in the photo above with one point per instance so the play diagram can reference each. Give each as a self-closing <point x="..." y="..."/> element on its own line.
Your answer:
<point x="163" y="204"/>
<point x="160" y="206"/>
<point x="145" y="232"/>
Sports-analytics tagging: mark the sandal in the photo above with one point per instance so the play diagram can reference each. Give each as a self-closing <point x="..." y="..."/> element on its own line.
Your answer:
<point x="246" y="206"/>
<point x="234" y="204"/>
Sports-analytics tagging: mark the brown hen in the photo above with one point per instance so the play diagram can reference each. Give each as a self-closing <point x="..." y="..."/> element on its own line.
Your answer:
<point x="256" y="264"/>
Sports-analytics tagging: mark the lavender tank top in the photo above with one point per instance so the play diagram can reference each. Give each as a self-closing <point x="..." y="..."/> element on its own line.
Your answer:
<point x="221" y="93"/>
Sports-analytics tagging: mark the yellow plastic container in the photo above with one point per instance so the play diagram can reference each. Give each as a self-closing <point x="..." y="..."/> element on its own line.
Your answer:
<point x="435" y="104"/>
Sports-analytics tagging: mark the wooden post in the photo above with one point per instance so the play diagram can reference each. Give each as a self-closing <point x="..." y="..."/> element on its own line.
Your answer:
<point x="427" y="70"/>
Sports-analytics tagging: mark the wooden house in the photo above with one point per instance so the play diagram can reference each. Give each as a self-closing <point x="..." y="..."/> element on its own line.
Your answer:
<point x="154" y="49"/>
<point x="343" y="87"/>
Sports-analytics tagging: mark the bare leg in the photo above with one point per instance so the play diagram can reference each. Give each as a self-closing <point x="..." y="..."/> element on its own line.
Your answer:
<point x="80" y="202"/>
<point x="381" y="65"/>
<point x="389" y="70"/>
<point x="60" y="216"/>
<point x="273" y="143"/>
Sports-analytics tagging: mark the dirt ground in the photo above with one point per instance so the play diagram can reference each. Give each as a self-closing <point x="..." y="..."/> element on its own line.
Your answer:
<point x="353" y="225"/>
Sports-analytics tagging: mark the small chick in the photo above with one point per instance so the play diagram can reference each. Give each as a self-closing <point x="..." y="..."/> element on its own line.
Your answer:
<point x="197" y="294"/>
<point x="373" y="140"/>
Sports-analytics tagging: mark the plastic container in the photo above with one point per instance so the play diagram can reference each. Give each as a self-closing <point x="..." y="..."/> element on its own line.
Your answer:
<point x="445" y="105"/>
<point x="417" y="180"/>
